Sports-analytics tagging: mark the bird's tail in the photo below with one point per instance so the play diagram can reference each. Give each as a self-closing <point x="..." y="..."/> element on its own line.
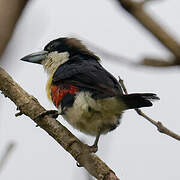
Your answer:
<point x="138" y="100"/>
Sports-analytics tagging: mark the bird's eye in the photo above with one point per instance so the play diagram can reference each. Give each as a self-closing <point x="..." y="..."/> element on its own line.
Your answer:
<point x="52" y="46"/>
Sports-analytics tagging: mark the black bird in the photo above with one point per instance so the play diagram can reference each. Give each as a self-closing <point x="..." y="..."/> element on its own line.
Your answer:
<point x="85" y="93"/>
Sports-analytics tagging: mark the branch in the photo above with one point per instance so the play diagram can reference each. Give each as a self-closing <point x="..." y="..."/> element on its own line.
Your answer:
<point x="159" y="62"/>
<point x="161" y="128"/>
<point x="9" y="14"/>
<point x="147" y="61"/>
<point x="29" y="106"/>
<point x="4" y="158"/>
<point x="107" y="54"/>
<point x="137" y="11"/>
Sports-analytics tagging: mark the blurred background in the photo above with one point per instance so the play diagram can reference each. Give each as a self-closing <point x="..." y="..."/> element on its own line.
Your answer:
<point x="135" y="150"/>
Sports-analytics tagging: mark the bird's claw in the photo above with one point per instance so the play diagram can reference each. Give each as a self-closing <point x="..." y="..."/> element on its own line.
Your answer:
<point x="93" y="148"/>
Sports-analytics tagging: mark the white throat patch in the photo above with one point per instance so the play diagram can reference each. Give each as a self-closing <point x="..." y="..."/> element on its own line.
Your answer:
<point x="54" y="60"/>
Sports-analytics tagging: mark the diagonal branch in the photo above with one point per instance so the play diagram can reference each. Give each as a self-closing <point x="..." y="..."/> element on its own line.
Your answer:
<point x="154" y="62"/>
<point x="29" y="106"/>
<point x="161" y="128"/>
<point x="10" y="147"/>
<point x="10" y="12"/>
<point x="147" y="61"/>
<point x="136" y="9"/>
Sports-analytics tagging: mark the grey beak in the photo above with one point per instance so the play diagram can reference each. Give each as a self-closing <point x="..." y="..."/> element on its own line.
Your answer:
<point x="37" y="57"/>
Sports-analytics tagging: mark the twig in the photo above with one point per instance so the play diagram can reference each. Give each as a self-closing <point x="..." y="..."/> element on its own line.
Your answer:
<point x="147" y="61"/>
<point x="6" y="155"/>
<point x="10" y="12"/>
<point x="109" y="55"/>
<point x="158" y="62"/>
<point x="137" y="11"/>
<point x="29" y="106"/>
<point x="161" y="128"/>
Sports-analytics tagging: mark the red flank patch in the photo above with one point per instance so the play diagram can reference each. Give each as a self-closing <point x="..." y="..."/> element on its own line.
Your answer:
<point x="58" y="93"/>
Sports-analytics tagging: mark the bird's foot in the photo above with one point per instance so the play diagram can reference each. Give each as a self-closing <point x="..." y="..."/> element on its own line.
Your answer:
<point x="53" y="113"/>
<point x="89" y="149"/>
<point x="93" y="148"/>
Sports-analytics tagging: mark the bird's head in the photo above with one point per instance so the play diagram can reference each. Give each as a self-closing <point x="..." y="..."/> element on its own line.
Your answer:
<point x="54" y="49"/>
<point x="57" y="52"/>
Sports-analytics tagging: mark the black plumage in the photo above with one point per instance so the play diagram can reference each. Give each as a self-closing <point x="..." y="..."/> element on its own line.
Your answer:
<point x="86" y="73"/>
<point x="85" y="93"/>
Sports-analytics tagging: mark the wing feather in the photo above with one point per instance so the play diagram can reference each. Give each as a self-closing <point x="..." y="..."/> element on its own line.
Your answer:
<point x="87" y="75"/>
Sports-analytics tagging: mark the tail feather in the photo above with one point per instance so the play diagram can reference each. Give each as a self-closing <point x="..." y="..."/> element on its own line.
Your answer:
<point x="138" y="100"/>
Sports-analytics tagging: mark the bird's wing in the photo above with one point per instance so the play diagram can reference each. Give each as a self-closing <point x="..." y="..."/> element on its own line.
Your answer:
<point x="87" y="75"/>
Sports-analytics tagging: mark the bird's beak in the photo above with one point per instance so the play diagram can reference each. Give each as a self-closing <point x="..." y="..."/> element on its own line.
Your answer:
<point x="37" y="57"/>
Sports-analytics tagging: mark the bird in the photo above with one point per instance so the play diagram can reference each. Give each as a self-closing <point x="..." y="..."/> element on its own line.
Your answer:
<point x="88" y="97"/>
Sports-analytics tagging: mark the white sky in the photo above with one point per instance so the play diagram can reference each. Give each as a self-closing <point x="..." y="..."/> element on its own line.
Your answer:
<point x="135" y="150"/>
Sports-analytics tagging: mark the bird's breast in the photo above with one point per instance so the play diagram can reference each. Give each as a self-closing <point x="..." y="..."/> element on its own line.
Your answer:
<point x="83" y="112"/>
<point x="93" y="115"/>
